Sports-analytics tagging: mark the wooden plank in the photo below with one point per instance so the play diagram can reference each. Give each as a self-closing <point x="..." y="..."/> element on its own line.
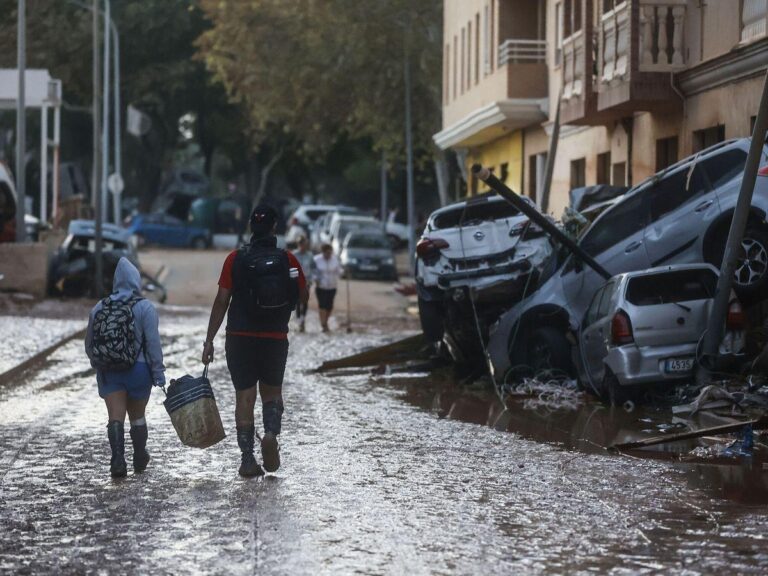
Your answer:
<point x="714" y="430"/>
<point x="400" y="351"/>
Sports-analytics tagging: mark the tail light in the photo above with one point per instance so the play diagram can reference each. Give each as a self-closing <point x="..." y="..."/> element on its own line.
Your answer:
<point x="429" y="248"/>
<point x="518" y="229"/>
<point x="735" y="319"/>
<point x="621" y="329"/>
<point x="763" y="171"/>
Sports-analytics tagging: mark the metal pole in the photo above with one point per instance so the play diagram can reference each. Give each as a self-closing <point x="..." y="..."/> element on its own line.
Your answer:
<point x="43" y="163"/>
<point x="21" y="126"/>
<point x="98" y="256"/>
<point x="105" y="116"/>
<point x="384" y="191"/>
<point x="56" y="169"/>
<point x="550" y="169"/>
<point x="409" y="152"/>
<point x="716" y="323"/>
<point x="537" y="217"/>
<point x="118" y="158"/>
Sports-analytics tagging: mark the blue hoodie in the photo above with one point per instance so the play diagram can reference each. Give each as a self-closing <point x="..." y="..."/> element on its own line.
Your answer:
<point x="127" y="284"/>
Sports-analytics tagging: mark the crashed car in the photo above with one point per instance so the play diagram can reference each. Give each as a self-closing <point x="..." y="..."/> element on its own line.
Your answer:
<point x="681" y="215"/>
<point x="645" y="328"/>
<point x="73" y="267"/>
<point x="474" y="260"/>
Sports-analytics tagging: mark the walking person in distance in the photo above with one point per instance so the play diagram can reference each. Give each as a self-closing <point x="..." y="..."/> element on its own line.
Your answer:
<point x="327" y="272"/>
<point x="259" y="287"/>
<point x="123" y="344"/>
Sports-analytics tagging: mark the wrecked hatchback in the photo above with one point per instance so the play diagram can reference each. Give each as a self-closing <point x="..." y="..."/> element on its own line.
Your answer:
<point x="645" y="328"/>
<point x="73" y="267"/>
<point x="475" y="258"/>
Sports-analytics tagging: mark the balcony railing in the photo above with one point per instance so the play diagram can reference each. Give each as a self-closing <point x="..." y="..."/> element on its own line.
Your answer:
<point x="515" y="51"/>
<point x="661" y="35"/>
<point x="615" y="30"/>
<point x="754" y="19"/>
<point x="573" y="65"/>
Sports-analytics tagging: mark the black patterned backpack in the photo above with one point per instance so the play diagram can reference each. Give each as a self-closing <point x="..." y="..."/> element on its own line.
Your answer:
<point x="113" y="346"/>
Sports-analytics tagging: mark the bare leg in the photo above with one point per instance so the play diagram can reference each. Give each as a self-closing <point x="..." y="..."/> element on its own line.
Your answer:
<point x="245" y="400"/>
<point x="324" y="319"/>
<point x="136" y="409"/>
<point x="117" y="405"/>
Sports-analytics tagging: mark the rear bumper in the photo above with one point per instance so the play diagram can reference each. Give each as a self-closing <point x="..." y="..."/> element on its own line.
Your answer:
<point x="634" y="365"/>
<point x="495" y="274"/>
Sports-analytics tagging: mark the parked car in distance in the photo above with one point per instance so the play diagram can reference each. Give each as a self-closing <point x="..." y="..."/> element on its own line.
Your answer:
<point x="368" y="254"/>
<point x="482" y="250"/>
<point x="679" y="216"/>
<point x="320" y="230"/>
<point x="645" y="328"/>
<point x="343" y="224"/>
<point x="166" y="230"/>
<point x="302" y="219"/>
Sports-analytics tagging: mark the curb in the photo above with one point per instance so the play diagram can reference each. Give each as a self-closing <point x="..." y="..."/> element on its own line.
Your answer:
<point x="8" y="375"/>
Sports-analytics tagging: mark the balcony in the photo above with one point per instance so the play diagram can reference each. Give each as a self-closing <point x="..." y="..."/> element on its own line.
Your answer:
<point x="754" y="20"/>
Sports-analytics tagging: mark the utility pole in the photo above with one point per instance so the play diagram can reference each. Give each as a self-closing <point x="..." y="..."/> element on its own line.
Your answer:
<point x="21" y="125"/>
<point x="714" y="332"/>
<point x="384" y="191"/>
<point x="105" y="116"/>
<point x="409" y="153"/>
<point x="99" y="263"/>
<point x="117" y="199"/>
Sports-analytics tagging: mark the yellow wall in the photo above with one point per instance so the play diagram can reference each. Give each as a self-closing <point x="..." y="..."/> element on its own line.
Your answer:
<point x="507" y="149"/>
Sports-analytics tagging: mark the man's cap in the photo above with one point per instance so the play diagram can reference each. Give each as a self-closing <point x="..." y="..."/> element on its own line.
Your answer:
<point x="263" y="219"/>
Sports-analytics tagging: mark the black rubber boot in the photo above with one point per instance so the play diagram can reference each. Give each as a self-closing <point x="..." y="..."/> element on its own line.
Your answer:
<point x="248" y="465"/>
<point x="270" y="450"/>
<point x="139" y="439"/>
<point x="116" y="433"/>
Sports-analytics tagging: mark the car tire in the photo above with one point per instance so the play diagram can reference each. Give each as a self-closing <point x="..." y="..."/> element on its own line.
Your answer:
<point x="431" y="318"/>
<point x="549" y="349"/>
<point x="614" y="393"/>
<point x="199" y="243"/>
<point x="751" y="281"/>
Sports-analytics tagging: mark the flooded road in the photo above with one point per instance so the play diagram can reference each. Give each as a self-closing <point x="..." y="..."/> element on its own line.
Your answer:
<point x="380" y="476"/>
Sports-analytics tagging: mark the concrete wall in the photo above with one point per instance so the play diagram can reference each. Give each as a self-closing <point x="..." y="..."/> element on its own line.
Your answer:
<point x="505" y="150"/>
<point x="25" y="268"/>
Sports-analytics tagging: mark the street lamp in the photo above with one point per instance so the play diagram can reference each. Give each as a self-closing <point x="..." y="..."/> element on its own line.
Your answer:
<point x="21" y="126"/>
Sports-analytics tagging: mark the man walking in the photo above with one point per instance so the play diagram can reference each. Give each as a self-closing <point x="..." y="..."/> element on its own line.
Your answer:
<point x="260" y="285"/>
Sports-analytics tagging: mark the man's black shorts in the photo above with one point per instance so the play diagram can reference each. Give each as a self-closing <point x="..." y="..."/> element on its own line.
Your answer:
<point x="252" y="360"/>
<point x="325" y="298"/>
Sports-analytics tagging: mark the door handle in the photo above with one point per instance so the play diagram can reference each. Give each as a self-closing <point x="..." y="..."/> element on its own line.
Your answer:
<point x="632" y="246"/>
<point x="704" y="205"/>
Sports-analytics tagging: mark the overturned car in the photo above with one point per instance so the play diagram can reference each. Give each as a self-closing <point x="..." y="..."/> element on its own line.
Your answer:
<point x="474" y="260"/>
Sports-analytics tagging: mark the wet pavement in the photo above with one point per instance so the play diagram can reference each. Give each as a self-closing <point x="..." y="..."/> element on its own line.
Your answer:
<point x="381" y="475"/>
<point x="23" y="337"/>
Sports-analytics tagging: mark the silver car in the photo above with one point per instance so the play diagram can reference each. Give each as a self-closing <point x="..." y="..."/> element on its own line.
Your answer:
<point x="645" y="328"/>
<point x="679" y="216"/>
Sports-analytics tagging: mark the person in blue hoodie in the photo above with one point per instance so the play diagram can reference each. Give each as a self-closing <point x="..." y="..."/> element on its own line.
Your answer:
<point x="123" y="344"/>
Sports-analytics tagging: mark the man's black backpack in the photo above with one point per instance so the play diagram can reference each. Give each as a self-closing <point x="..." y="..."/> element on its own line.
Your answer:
<point x="263" y="276"/>
<point x="113" y="346"/>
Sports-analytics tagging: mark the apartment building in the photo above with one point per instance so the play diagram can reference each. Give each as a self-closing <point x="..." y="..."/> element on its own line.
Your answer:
<point x="640" y="84"/>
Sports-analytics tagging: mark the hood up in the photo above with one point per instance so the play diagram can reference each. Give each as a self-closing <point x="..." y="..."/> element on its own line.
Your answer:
<point x="127" y="282"/>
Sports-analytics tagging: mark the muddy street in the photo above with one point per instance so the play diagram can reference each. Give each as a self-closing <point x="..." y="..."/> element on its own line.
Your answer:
<point x="381" y="475"/>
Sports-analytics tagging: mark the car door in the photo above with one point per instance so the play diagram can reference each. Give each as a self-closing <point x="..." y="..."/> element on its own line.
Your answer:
<point x="151" y="228"/>
<point x="616" y="241"/>
<point x="588" y="336"/>
<point x="596" y="335"/>
<point x="682" y="206"/>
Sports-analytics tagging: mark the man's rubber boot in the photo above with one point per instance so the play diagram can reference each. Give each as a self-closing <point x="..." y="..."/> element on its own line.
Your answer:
<point x="248" y="465"/>
<point x="270" y="450"/>
<point x="139" y="439"/>
<point x="116" y="434"/>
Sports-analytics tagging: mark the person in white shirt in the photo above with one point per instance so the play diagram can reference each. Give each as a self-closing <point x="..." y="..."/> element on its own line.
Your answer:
<point x="327" y="272"/>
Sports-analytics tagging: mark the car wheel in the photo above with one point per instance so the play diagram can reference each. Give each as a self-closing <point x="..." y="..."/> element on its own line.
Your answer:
<point x="199" y="243"/>
<point x="549" y="349"/>
<point x="613" y="392"/>
<point x="431" y="318"/>
<point x="751" y="275"/>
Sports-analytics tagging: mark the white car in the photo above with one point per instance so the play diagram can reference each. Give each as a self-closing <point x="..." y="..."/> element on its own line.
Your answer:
<point x="481" y="250"/>
<point x="304" y="217"/>
<point x="343" y="224"/>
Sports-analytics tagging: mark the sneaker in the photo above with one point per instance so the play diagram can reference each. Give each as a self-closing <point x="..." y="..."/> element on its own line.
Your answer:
<point x="270" y="452"/>
<point x="249" y="467"/>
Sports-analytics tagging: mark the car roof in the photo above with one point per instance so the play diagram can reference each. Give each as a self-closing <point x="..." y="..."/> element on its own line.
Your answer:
<point x="110" y="232"/>
<point x="624" y="277"/>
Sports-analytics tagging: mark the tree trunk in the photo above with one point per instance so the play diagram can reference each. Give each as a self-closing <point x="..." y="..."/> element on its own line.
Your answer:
<point x="264" y="177"/>
<point x="443" y="177"/>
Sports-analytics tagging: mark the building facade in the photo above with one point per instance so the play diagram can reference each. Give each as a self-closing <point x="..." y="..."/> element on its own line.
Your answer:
<point x="640" y="84"/>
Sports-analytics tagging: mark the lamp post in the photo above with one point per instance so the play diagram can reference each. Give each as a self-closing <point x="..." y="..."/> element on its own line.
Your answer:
<point x="105" y="115"/>
<point x="97" y="196"/>
<point x="21" y="126"/>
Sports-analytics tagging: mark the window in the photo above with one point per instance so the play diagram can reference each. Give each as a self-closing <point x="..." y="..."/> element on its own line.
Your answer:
<point x="571" y="17"/>
<point x="463" y="53"/>
<point x="604" y="168"/>
<point x="504" y="172"/>
<point x="703" y="139"/>
<point x="619" y="176"/>
<point x="620" y="222"/>
<point x="492" y="35"/>
<point x="532" y="178"/>
<point x="455" y="65"/>
<point x="578" y="173"/>
<point x="469" y="55"/>
<point x="475" y="212"/>
<point x="477" y="48"/>
<point x="605" y="301"/>
<point x="669" y="287"/>
<point x="591" y="316"/>
<point x="675" y="190"/>
<point x="666" y="152"/>
<point x="487" y="40"/>
<point x="558" y="34"/>
<point x="724" y="167"/>
<point x="447" y="74"/>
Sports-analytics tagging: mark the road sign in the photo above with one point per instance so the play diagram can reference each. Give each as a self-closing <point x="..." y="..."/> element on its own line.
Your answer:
<point x="115" y="183"/>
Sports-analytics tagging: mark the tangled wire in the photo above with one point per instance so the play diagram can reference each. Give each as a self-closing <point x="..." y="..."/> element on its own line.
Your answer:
<point x="548" y="390"/>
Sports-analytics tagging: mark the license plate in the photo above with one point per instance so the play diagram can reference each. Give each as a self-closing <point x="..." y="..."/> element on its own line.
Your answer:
<point x="368" y="267"/>
<point x="678" y="365"/>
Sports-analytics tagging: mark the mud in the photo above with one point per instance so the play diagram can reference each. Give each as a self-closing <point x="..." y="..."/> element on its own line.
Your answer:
<point x="381" y="475"/>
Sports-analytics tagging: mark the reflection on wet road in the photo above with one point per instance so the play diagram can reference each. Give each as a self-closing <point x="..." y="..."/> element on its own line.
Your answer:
<point x="380" y="476"/>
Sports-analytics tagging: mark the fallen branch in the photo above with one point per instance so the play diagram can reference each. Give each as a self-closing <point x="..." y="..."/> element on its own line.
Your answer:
<point x="400" y="351"/>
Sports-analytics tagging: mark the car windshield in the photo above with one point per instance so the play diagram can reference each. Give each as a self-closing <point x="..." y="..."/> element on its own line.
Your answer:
<point x="358" y="241"/>
<point x="88" y="244"/>
<point x="347" y="227"/>
<point x="474" y="214"/>
<point x="670" y="287"/>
